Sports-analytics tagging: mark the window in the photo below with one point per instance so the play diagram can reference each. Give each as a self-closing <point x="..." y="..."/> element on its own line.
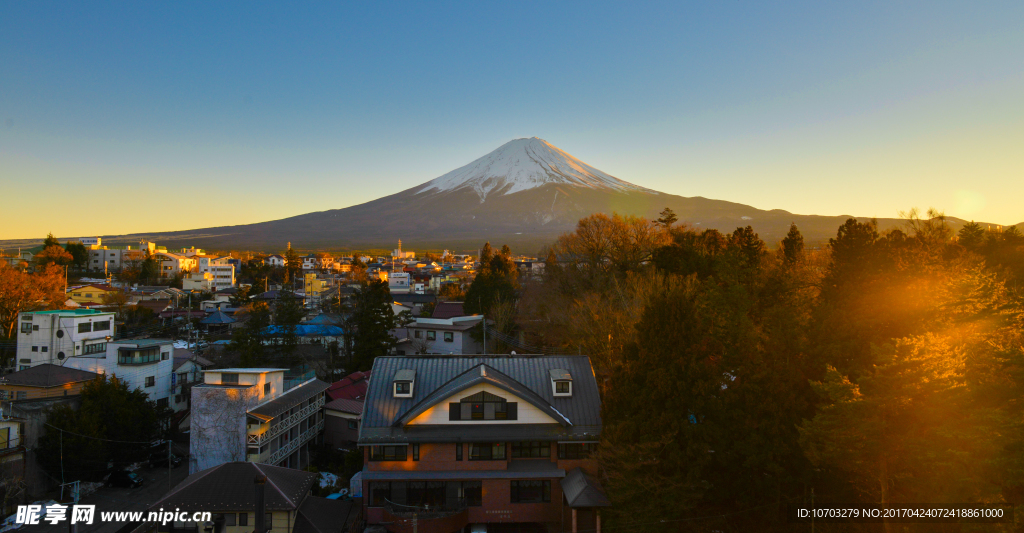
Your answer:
<point x="268" y="520"/>
<point x="24" y="367"/>
<point x="388" y="453"/>
<point x="164" y="356"/>
<point x="416" y="452"/>
<point x="26" y="327"/>
<point x="101" y="326"/>
<point x="437" y="494"/>
<point x="150" y="381"/>
<point x="486" y="451"/>
<point x="431" y="335"/>
<point x="472" y="492"/>
<point x="229" y="378"/>
<point x="229" y="519"/>
<point x="531" y="449"/>
<point x="35" y="328"/>
<point x="380" y="493"/>
<point x="575" y="450"/>
<point x="22" y="395"/>
<point x="46" y="349"/>
<point x="138" y="357"/>
<point x="416" y="333"/>
<point x="483" y="406"/>
<point x="449" y="336"/>
<point x="95" y="348"/>
<point x="266" y="388"/>
<point x="458" y="451"/>
<point x="162" y="402"/>
<point x="563" y="387"/>
<point x="531" y="491"/>
<point x="85" y="327"/>
<point x="35" y="348"/>
<point x="243" y="519"/>
<point x="353" y="424"/>
<point x="403" y="389"/>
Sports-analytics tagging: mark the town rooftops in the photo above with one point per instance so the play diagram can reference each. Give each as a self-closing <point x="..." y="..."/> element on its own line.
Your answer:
<point x="217" y="317"/>
<point x="386" y="417"/>
<point x="352" y="386"/>
<point x="345" y="405"/>
<point x="71" y="312"/>
<point x="306" y="330"/>
<point x="448" y="310"/>
<point x="182" y="356"/>
<point x="229" y="487"/>
<point x="248" y="370"/>
<point x="47" y="375"/>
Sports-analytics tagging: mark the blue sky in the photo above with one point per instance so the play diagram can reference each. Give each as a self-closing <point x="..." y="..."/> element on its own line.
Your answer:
<point x="241" y="112"/>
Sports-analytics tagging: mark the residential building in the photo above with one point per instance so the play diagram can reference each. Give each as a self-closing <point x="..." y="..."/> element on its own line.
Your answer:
<point x="113" y="258"/>
<point x="317" y="262"/>
<point x="341" y="422"/>
<point x="188" y="371"/>
<point x="93" y="293"/>
<point x="12" y="461"/>
<point x="257" y="415"/>
<point x="229" y="492"/>
<point x="313" y="288"/>
<point x="458" y="442"/>
<point x="221" y="270"/>
<point x="198" y="281"/>
<point x="172" y="264"/>
<point x="416" y="301"/>
<point x="52" y="336"/>
<point x="275" y="260"/>
<point x="144" y="364"/>
<point x="441" y="336"/>
<point x="44" y="381"/>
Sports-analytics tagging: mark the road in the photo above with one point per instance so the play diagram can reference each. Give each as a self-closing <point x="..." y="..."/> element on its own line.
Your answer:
<point x="154" y="486"/>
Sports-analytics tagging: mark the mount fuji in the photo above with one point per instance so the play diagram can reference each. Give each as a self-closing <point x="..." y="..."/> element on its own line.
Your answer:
<point x="525" y="193"/>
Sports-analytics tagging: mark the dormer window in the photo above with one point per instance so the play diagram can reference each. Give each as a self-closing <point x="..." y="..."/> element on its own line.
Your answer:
<point x="403" y="383"/>
<point x="561" y="383"/>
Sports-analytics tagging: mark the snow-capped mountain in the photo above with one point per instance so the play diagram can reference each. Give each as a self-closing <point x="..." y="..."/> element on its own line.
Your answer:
<point x="525" y="194"/>
<point x="524" y="164"/>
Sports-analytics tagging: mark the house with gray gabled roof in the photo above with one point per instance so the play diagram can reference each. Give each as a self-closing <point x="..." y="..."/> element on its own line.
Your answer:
<point x="473" y="440"/>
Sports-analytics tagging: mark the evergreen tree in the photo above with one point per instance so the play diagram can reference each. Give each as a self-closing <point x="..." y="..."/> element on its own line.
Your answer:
<point x="79" y="255"/>
<point x="288" y="312"/>
<point x="50" y="241"/>
<point x="247" y="340"/>
<point x="370" y="324"/>
<point x="496" y="279"/>
<point x="293" y="265"/>
<point x="667" y="218"/>
<point x="110" y="411"/>
<point x="793" y="245"/>
<point x="971" y="236"/>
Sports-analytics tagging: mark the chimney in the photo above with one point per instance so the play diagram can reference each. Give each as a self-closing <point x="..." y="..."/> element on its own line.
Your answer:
<point x="261" y="506"/>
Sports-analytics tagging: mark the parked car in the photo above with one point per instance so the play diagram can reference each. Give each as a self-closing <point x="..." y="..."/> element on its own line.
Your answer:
<point x="124" y="478"/>
<point x="160" y="459"/>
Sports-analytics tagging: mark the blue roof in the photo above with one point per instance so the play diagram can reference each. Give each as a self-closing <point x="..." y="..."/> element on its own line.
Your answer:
<point x="305" y="330"/>
<point x="217" y="317"/>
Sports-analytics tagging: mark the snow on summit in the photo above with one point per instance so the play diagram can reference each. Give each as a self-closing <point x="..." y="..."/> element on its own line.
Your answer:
<point x="524" y="164"/>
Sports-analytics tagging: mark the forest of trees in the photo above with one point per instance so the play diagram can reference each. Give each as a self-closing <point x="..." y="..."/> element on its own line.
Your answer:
<point x="739" y="376"/>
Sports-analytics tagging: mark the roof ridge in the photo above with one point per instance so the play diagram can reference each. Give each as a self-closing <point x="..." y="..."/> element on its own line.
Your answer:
<point x="278" y="489"/>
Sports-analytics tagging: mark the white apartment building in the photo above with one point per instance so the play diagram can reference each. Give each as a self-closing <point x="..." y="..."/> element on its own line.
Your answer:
<point x="53" y="336"/>
<point x="144" y="364"/>
<point x="399" y="282"/>
<point x="255" y="415"/>
<point x="171" y="264"/>
<point x="440" y="336"/>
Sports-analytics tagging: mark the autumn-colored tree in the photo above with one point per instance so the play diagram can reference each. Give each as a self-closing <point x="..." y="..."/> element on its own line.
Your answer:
<point x="53" y="255"/>
<point x="21" y="291"/>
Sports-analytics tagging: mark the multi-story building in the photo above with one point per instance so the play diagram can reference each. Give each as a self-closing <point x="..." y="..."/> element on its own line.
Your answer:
<point x="145" y="364"/>
<point x="317" y="262"/>
<point x="198" y="281"/>
<point x="52" y="336"/>
<point x="257" y="415"/>
<point x="458" y="441"/>
<point x="171" y="264"/>
<point x="222" y="272"/>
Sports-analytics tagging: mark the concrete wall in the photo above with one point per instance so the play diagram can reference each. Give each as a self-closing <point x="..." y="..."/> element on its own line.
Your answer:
<point x="218" y="426"/>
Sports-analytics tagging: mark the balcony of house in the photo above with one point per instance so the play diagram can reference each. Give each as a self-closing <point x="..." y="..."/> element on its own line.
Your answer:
<point x="137" y="356"/>
<point x="426" y="518"/>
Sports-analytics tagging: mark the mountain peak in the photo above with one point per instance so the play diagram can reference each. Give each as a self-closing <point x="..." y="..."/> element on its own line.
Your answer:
<point x="523" y="164"/>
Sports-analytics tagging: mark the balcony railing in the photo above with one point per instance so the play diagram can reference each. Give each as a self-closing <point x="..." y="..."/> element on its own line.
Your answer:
<point x="426" y="512"/>
<point x="287" y="449"/>
<point x="285" y="423"/>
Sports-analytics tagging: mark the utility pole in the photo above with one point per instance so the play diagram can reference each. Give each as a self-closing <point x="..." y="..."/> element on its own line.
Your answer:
<point x="169" y="456"/>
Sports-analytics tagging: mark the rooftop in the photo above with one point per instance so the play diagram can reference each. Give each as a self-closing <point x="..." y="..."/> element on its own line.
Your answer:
<point x="75" y="312"/>
<point x="47" y="375"/>
<point x="248" y="370"/>
<point x="143" y="342"/>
